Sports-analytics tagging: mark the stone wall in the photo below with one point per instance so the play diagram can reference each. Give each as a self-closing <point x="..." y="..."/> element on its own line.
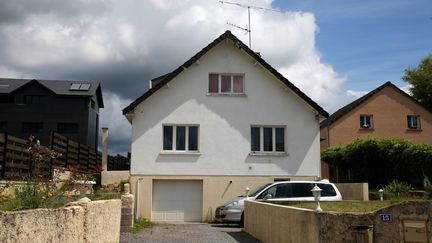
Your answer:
<point x="97" y="221"/>
<point x="127" y="212"/>
<point x="277" y="223"/>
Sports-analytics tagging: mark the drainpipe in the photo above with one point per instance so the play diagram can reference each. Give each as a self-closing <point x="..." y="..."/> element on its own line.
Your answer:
<point x="137" y="193"/>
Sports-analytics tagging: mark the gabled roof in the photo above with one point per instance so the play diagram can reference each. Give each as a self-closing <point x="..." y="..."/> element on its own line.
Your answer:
<point x="159" y="82"/>
<point x="351" y="106"/>
<point x="58" y="87"/>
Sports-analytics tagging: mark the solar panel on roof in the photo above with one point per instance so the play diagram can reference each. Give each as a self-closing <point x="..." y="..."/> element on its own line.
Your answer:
<point x="75" y="86"/>
<point x="84" y="87"/>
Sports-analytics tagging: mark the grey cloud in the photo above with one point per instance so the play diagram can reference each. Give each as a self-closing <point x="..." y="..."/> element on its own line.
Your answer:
<point x="17" y="11"/>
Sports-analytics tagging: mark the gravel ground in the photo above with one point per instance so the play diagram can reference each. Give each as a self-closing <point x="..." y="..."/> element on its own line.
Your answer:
<point x="190" y="233"/>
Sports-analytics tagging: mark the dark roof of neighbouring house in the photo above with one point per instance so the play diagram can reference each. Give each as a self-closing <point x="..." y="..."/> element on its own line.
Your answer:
<point x="159" y="82"/>
<point x="58" y="87"/>
<point x="351" y="106"/>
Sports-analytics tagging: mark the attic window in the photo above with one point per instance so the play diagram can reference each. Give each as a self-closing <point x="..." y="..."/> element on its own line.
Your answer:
<point x="366" y="121"/>
<point x="413" y="122"/>
<point x="226" y="83"/>
<point x="79" y="87"/>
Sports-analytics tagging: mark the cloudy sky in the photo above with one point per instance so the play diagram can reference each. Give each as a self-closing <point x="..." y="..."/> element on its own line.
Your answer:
<point x="333" y="50"/>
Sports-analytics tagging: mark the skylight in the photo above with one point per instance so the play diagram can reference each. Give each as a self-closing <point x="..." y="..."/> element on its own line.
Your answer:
<point x="79" y="87"/>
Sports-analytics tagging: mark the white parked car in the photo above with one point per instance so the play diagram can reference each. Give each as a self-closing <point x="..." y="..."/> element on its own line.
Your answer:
<point x="232" y="211"/>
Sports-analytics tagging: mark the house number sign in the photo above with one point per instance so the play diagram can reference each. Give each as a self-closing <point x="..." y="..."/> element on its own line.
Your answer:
<point x="386" y="217"/>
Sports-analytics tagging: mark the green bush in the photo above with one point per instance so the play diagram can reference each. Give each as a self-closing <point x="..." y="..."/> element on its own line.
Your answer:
<point x="397" y="187"/>
<point x="380" y="161"/>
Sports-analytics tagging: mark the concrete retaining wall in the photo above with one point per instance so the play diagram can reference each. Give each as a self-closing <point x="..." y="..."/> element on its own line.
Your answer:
<point x="276" y="223"/>
<point x="114" y="177"/>
<point x="97" y="221"/>
<point x="354" y="191"/>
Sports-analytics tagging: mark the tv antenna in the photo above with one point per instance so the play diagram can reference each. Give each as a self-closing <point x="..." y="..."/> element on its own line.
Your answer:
<point x="249" y="7"/>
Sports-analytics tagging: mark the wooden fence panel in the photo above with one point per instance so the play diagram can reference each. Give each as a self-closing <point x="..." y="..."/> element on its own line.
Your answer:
<point x="83" y="157"/>
<point x="59" y="144"/>
<point x="16" y="159"/>
<point x="73" y="152"/>
<point x="2" y="154"/>
<point x="15" y="162"/>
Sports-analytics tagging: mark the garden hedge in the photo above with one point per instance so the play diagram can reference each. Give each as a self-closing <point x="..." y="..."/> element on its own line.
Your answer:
<point x="380" y="161"/>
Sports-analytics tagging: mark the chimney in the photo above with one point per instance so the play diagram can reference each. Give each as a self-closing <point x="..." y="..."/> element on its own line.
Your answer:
<point x="105" y="149"/>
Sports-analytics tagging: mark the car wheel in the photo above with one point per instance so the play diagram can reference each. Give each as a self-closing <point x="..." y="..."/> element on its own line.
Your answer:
<point x="241" y="224"/>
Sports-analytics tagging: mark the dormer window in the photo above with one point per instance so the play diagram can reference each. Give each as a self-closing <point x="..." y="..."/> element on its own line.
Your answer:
<point x="366" y="121"/>
<point x="413" y="122"/>
<point x="226" y="83"/>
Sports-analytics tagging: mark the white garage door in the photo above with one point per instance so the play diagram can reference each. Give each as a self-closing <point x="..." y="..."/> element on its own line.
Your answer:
<point x="177" y="200"/>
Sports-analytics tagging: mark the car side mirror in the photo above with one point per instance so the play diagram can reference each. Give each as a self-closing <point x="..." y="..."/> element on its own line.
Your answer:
<point x="268" y="196"/>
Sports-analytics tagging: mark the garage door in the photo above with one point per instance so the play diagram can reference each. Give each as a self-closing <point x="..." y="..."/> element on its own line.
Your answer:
<point x="177" y="200"/>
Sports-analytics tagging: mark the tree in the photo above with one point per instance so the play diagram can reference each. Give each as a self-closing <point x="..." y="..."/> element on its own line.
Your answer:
<point x="420" y="79"/>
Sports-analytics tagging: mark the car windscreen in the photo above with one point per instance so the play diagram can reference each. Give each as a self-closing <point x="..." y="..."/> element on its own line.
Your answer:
<point x="255" y="191"/>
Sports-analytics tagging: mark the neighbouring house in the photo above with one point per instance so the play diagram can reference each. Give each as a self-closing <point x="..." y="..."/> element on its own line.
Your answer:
<point x="386" y="112"/>
<point x="222" y="121"/>
<point x="39" y="107"/>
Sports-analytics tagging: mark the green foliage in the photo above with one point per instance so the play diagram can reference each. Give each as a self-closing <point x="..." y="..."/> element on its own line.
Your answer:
<point x="140" y="224"/>
<point x="397" y="187"/>
<point x="380" y="161"/>
<point x="420" y="79"/>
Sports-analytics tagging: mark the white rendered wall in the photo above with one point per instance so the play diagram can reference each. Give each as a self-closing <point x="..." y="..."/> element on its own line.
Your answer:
<point x="225" y="122"/>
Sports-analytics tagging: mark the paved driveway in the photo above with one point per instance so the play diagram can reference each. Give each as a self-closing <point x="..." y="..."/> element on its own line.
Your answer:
<point x="190" y="233"/>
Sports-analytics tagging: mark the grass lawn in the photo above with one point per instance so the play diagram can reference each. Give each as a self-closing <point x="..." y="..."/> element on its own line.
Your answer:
<point x="352" y="206"/>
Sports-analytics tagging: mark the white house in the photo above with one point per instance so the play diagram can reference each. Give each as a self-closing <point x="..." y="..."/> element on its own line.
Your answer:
<point x="222" y="121"/>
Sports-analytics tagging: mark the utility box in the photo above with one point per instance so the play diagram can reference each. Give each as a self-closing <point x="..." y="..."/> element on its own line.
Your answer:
<point x="415" y="231"/>
<point x="363" y="233"/>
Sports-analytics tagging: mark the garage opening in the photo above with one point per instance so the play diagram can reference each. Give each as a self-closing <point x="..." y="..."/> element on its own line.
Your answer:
<point x="177" y="201"/>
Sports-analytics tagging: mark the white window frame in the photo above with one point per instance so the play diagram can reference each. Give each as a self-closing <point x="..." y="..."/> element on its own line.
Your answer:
<point x="231" y="83"/>
<point x="410" y="122"/>
<point x="273" y="152"/>
<point x="174" y="137"/>
<point x="363" y="118"/>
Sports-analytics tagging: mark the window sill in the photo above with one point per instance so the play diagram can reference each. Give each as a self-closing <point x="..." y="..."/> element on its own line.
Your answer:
<point x="414" y="129"/>
<point x="273" y="154"/>
<point x="227" y="94"/>
<point x="366" y="129"/>
<point x="180" y="152"/>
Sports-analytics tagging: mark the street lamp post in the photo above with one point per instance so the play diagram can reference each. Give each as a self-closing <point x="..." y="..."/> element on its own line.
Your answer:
<point x="381" y="194"/>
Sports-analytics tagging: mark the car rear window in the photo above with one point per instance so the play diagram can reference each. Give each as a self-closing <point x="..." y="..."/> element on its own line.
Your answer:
<point x="327" y="190"/>
<point x="302" y="189"/>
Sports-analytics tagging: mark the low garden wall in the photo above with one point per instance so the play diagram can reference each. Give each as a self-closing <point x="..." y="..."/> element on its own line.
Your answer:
<point x="354" y="191"/>
<point x="407" y="221"/>
<point x="96" y="221"/>
<point x="114" y="177"/>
